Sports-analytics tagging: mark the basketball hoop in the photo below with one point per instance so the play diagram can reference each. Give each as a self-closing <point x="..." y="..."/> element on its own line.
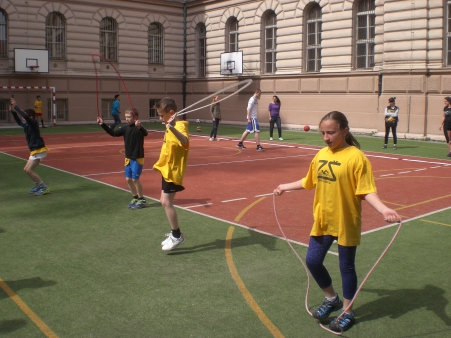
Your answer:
<point x="34" y="68"/>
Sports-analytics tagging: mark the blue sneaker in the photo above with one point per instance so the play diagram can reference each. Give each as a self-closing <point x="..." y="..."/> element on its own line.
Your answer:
<point x="132" y="203"/>
<point x="137" y="205"/>
<point x="327" y="307"/>
<point x="344" y="323"/>
<point x="42" y="191"/>
<point x="34" y="189"/>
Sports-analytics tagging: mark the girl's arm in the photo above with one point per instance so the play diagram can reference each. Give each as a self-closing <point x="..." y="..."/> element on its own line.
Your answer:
<point x="297" y="185"/>
<point x="388" y="214"/>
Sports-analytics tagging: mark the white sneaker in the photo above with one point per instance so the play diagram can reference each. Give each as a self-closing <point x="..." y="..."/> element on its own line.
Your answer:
<point x="167" y="238"/>
<point x="211" y="138"/>
<point x="173" y="242"/>
<point x="270" y="138"/>
<point x="280" y="138"/>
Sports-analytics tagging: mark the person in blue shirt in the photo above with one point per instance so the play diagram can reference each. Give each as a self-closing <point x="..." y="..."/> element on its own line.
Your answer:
<point x="115" y="111"/>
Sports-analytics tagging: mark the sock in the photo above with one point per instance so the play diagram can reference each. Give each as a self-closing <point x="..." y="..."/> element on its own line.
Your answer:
<point x="42" y="184"/>
<point x="135" y="197"/>
<point x="332" y="299"/>
<point x="176" y="233"/>
<point x="142" y="198"/>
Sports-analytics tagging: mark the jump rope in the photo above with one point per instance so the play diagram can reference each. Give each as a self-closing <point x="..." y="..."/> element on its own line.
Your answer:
<point x="308" y="275"/>
<point x="245" y="84"/>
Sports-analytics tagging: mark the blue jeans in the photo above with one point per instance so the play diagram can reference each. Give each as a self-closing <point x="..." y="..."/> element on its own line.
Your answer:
<point x="271" y="126"/>
<point x="318" y="247"/>
<point x="214" y="130"/>
<point x="117" y="120"/>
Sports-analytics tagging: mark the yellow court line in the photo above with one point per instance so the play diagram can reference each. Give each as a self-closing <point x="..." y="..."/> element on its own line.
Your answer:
<point x="241" y="214"/>
<point x="424" y="202"/>
<point x="448" y="225"/>
<point x="242" y="287"/>
<point x="24" y="307"/>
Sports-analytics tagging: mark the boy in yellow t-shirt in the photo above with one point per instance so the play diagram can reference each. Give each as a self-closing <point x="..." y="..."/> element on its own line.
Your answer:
<point x="172" y="166"/>
<point x="38" y="110"/>
<point x="342" y="177"/>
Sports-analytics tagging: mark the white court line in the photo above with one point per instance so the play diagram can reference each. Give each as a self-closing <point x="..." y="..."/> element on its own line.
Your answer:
<point x="241" y="161"/>
<point x="404" y="172"/>
<point x="264" y="195"/>
<point x="386" y="175"/>
<point x="421" y="169"/>
<point x="235" y="199"/>
<point x="198" y="205"/>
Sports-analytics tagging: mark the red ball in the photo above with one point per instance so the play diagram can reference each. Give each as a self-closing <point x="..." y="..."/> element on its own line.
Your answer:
<point x="199" y="128"/>
<point x="306" y="128"/>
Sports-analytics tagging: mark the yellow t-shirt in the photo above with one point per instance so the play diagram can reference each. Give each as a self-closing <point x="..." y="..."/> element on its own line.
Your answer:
<point x="38" y="107"/>
<point x="173" y="156"/>
<point x="339" y="176"/>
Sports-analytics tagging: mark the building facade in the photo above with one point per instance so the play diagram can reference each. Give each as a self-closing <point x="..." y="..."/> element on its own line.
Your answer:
<point x="316" y="56"/>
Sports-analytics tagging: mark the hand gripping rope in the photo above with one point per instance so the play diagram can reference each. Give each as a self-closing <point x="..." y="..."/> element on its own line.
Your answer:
<point x="97" y="82"/>
<point x="308" y="275"/>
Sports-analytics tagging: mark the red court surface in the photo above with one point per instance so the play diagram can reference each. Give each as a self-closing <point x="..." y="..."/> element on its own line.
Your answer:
<point x="235" y="185"/>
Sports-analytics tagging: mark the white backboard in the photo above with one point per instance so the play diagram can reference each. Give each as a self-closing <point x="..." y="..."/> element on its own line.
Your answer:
<point x="232" y="63"/>
<point x="31" y="60"/>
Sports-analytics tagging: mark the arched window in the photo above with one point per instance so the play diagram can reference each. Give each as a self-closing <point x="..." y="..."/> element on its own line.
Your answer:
<point x="313" y="39"/>
<point x="270" y="42"/>
<point x="155" y="43"/>
<point x="108" y="38"/>
<point x="55" y="36"/>
<point x="3" y="35"/>
<point x="365" y="33"/>
<point x="201" y="33"/>
<point x="447" y="44"/>
<point x="232" y="35"/>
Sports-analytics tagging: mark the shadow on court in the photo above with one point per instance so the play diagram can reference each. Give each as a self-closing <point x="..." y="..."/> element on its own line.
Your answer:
<point x="253" y="238"/>
<point x="395" y="303"/>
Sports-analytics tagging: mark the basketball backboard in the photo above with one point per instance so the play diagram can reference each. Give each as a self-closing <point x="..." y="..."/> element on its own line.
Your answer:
<point x="31" y="60"/>
<point x="232" y="63"/>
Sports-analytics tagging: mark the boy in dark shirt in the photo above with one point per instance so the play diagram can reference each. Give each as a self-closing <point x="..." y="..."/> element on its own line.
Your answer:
<point x="36" y="144"/>
<point x="133" y="133"/>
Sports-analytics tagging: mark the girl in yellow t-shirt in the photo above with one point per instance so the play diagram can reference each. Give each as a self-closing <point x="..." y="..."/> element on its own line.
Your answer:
<point x="342" y="177"/>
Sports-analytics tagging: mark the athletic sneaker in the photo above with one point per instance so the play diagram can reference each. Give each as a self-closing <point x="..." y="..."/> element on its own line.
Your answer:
<point x="167" y="239"/>
<point x="132" y="203"/>
<point x="42" y="191"/>
<point x="138" y="204"/>
<point x="343" y="323"/>
<point x="281" y="139"/>
<point x="172" y="242"/>
<point x="260" y="148"/>
<point x="384" y="146"/>
<point x="394" y="147"/>
<point x="325" y="309"/>
<point x="241" y="145"/>
<point x="449" y="155"/>
<point x="211" y="139"/>
<point x="270" y="138"/>
<point x="34" y="189"/>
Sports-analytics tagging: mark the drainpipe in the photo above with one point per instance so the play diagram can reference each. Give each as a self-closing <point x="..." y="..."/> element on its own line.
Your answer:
<point x="184" y="58"/>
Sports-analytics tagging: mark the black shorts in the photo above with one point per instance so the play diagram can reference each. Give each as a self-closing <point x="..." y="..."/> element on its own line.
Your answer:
<point x="170" y="187"/>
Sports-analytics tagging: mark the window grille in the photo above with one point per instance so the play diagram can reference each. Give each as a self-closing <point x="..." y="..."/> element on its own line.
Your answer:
<point x="55" y="36"/>
<point x="155" y="43"/>
<point x="202" y="49"/>
<point x="270" y="43"/>
<point x="365" y="31"/>
<point x="314" y="21"/>
<point x="3" y="35"/>
<point x="108" y="39"/>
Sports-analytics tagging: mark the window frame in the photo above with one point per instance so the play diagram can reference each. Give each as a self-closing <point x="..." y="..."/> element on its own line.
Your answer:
<point x="55" y="36"/>
<point x="201" y="48"/>
<point x="316" y="22"/>
<point x="232" y="35"/>
<point x="108" y="39"/>
<point x="447" y="33"/>
<point x="269" y="35"/>
<point x="3" y="34"/>
<point x="155" y="44"/>
<point x="365" y="25"/>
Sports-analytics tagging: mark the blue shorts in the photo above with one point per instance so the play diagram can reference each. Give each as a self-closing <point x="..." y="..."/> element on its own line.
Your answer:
<point x="253" y="126"/>
<point x="133" y="170"/>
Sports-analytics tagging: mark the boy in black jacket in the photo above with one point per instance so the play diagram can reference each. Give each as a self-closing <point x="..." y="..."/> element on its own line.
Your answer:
<point x="36" y="144"/>
<point x="133" y="133"/>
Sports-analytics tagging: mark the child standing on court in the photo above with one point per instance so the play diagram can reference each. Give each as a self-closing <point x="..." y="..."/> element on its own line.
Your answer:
<point x="342" y="177"/>
<point x="38" y="150"/>
<point x="38" y="110"/>
<point x="252" y="122"/>
<point x="172" y="166"/>
<point x="133" y="133"/>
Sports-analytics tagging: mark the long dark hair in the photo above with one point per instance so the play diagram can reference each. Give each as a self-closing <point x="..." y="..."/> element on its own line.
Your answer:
<point x="277" y="99"/>
<point x="448" y="98"/>
<point x="343" y="123"/>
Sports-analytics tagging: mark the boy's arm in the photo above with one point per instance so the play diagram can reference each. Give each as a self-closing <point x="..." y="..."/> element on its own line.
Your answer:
<point x="105" y="127"/>
<point x="182" y="138"/>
